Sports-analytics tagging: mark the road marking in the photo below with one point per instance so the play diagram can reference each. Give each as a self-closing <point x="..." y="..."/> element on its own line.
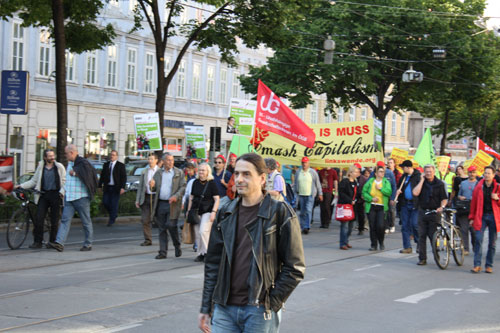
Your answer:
<point x="17" y="292"/>
<point x="471" y="330"/>
<point x="103" y="268"/>
<point x="368" y="267"/>
<point x="415" y="298"/>
<point x="312" y="281"/>
<point x="121" y="328"/>
<point x="195" y="276"/>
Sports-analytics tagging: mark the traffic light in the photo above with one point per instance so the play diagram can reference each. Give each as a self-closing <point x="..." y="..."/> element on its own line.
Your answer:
<point x="215" y="138"/>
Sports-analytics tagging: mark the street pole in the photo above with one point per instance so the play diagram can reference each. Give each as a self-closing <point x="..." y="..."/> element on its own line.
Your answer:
<point x="7" y="136"/>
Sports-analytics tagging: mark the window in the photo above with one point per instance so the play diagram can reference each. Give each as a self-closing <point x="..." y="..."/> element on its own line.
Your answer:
<point x="301" y="114"/>
<point x="199" y="15"/>
<point x="314" y="112"/>
<point x="70" y="66"/>
<point x="328" y="117"/>
<point x="91" y="77"/>
<point x="112" y="60"/>
<point x="47" y="139"/>
<point x="210" y="83"/>
<point x="44" y="60"/>
<point x="131" y="145"/>
<point x="364" y="113"/>
<point x="167" y="70"/>
<point x="403" y="125"/>
<point x="96" y="145"/>
<point x="148" y="80"/>
<point x="17" y="47"/>
<point x="174" y="145"/>
<point x="393" y="125"/>
<point x="340" y="115"/>
<point x="181" y="80"/>
<point x="195" y="94"/>
<point x="236" y="85"/>
<point x="223" y="86"/>
<point x="131" y="66"/>
<point x="352" y="114"/>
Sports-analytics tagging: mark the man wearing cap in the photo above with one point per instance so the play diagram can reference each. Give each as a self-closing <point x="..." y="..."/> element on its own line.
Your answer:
<point x="432" y="199"/>
<point x="464" y="196"/>
<point x="232" y="163"/>
<point x="407" y="205"/>
<point x="307" y="186"/>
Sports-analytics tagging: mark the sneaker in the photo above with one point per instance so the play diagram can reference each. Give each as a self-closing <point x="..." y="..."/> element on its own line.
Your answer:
<point x="373" y="248"/>
<point x="146" y="243"/>
<point x="466" y="253"/>
<point x="56" y="246"/>
<point x="387" y="231"/>
<point x="406" y="251"/>
<point x="161" y="256"/>
<point x="476" y="270"/>
<point x="178" y="252"/>
<point x="382" y="247"/>
<point x="344" y="247"/>
<point x="488" y="270"/>
<point x="200" y="258"/>
<point x="349" y="246"/>
<point x="392" y="230"/>
<point x="422" y="263"/>
<point x="86" y="248"/>
<point x="36" y="245"/>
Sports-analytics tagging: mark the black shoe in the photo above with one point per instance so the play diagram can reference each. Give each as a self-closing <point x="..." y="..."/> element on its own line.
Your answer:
<point x="36" y="245"/>
<point x="382" y="247"/>
<point x="178" y="252"/>
<point x="200" y="258"/>
<point x="109" y="224"/>
<point x="146" y="243"/>
<point x="360" y="233"/>
<point x="422" y="263"/>
<point x="86" y="248"/>
<point x="55" y="245"/>
<point x="373" y="248"/>
<point x="161" y="256"/>
<point x="323" y="227"/>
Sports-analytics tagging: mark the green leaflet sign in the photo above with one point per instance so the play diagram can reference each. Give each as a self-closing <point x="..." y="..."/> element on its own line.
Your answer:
<point x="243" y="112"/>
<point x="147" y="132"/>
<point x="195" y="142"/>
<point x="377" y="131"/>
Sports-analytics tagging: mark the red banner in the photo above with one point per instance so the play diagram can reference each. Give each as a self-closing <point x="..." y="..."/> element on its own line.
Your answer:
<point x="6" y="171"/>
<point x="274" y="116"/>
<point x="487" y="149"/>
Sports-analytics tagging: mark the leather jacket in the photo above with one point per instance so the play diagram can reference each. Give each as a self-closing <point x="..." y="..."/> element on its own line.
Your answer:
<point x="87" y="174"/>
<point x="278" y="256"/>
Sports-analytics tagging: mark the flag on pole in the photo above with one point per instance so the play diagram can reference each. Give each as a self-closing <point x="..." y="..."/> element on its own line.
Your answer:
<point x="240" y="145"/>
<point x="274" y="116"/>
<point x="487" y="149"/>
<point x="425" y="151"/>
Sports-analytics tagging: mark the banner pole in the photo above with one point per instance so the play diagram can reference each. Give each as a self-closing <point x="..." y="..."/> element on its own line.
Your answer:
<point x="7" y="136"/>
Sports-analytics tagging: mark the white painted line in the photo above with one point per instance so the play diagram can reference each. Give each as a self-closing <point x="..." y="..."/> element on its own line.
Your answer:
<point x="103" y="268"/>
<point x="107" y="239"/>
<point x="195" y="276"/>
<point x="411" y="257"/>
<point x="120" y="328"/>
<point x="415" y="298"/>
<point x="312" y="281"/>
<point x="471" y="330"/>
<point x="368" y="267"/>
<point x="17" y="292"/>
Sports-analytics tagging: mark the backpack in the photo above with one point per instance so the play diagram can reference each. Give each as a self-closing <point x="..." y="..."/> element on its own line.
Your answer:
<point x="290" y="196"/>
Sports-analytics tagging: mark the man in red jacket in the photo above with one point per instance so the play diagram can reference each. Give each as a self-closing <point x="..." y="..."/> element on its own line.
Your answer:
<point x="485" y="213"/>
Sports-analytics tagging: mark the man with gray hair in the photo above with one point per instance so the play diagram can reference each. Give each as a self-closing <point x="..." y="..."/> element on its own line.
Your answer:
<point x="169" y="185"/>
<point x="432" y="199"/>
<point x="81" y="185"/>
<point x="275" y="183"/>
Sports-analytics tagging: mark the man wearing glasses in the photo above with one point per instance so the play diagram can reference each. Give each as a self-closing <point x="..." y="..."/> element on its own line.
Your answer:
<point x="221" y="176"/>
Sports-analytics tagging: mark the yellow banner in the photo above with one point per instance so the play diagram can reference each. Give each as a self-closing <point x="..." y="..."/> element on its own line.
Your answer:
<point x="442" y="164"/>
<point x="399" y="156"/>
<point x="415" y="163"/>
<point x="337" y="145"/>
<point x="480" y="161"/>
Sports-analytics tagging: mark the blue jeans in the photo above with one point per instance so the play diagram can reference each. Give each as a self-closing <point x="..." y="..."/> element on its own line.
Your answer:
<point x="110" y="201"/>
<point x="345" y="232"/>
<point x="82" y="206"/>
<point x="409" y="225"/>
<point x="248" y="318"/>
<point x="488" y="222"/>
<point x="306" y="208"/>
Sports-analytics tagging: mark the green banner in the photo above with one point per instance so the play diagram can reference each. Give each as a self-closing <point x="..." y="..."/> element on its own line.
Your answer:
<point x="377" y="130"/>
<point x="195" y="142"/>
<point x="147" y="132"/>
<point x="243" y="112"/>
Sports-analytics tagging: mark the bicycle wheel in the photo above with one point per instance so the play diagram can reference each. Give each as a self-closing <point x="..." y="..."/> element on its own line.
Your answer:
<point x="17" y="228"/>
<point x="457" y="247"/>
<point x="441" y="249"/>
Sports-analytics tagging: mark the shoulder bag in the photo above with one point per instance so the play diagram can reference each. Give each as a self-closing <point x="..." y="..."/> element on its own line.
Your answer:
<point x="345" y="212"/>
<point x="193" y="216"/>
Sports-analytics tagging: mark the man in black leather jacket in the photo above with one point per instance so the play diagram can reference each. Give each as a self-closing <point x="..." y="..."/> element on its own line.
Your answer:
<point x="255" y="257"/>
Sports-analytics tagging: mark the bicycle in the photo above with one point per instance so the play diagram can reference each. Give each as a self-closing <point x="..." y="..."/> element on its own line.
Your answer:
<point x="19" y="223"/>
<point x="446" y="238"/>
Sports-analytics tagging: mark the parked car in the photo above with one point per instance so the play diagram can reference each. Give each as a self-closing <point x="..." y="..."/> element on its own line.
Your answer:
<point x="24" y="178"/>
<point x="134" y="170"/>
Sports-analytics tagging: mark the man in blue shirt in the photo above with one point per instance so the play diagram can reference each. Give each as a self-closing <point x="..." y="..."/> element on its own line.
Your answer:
<point x="408" y="205"/>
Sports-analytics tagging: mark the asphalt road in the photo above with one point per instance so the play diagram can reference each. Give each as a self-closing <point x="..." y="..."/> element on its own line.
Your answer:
<point x="120" y="287"/>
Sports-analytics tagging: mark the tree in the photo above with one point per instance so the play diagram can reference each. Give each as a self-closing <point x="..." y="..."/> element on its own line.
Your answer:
<point x="254" y="22"/>
<point x="376" y="42"/>
<point x="73" y="26"/>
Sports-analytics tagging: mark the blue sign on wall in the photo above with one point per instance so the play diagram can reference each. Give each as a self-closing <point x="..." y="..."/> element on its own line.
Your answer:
<point x="14" y="92"/>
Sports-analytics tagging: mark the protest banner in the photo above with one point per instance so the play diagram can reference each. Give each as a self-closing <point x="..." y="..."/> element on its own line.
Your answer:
<point x="480" y="161"/>
<point x="442" y="164"/>
<point x="195" y="141"/>
<point x="425" y="152"/>
<point x="399" y="155"/>
<point x="412" y="159"/>
<point x="273" y="115"/>
<point x="243" y="112"/>
<point x="480" y="145"/>
<point x="147" y="132"/>
<point x="6" y="172"/>
<point x="336" y="145"/>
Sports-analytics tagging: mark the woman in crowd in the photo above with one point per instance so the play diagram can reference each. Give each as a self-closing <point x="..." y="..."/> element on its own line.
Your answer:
<point x="376" y="193"/>
<point x="347" y="195"/>
<point x="204" y="199"/>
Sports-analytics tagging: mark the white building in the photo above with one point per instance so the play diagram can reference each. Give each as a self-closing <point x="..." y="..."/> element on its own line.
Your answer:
<point x="115" y="83"/>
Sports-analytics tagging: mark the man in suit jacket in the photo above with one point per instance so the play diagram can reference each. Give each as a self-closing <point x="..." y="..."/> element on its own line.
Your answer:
<point x="113" y="178"/>
<point x="169" y="185"/>
<point x="144" y="198"/>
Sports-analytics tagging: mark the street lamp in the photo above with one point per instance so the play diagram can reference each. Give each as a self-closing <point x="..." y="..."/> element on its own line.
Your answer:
<point x="328" y="46"/>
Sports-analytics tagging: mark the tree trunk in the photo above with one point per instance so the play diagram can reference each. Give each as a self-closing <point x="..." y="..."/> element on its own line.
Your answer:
<point x="61" y="98"/>
<point x="161" y="91"/>
<point x="446" y="121"/>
